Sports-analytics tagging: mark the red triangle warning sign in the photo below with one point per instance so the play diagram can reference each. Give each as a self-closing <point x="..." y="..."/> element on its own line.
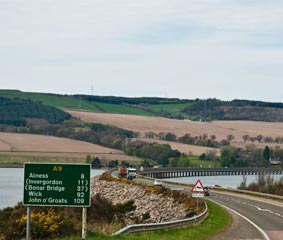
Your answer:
<point x="198" y="187"/>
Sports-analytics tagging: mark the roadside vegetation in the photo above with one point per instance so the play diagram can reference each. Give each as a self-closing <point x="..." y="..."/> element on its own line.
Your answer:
<point x="217" y="221"/>
<point x="264" y="184"/>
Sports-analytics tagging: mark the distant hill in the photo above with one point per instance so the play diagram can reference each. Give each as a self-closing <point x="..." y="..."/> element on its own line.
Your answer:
<point x="214" y="109"/>
<point x="147" y="106"/>
<point x="197" y="109"/>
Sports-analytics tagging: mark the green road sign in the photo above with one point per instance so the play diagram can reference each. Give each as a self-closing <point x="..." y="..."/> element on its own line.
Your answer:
<point x="59" y="184"/>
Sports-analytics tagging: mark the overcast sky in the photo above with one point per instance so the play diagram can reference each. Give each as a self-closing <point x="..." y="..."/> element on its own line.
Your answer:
<point x="188" y="49"/>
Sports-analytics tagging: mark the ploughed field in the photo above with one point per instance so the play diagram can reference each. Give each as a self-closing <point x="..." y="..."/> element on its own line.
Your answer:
<point x="220" y="129"/>
<point x="48" y="146"/>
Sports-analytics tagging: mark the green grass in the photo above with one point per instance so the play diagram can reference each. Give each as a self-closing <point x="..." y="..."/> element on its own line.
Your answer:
<point x="122" y="109"/>
<point x="217" y="221"/>
<point x="170" y="107"/>
<point x="59" y="101"/>
<point x="174" y="109"/>
<point x="195" y="162"/>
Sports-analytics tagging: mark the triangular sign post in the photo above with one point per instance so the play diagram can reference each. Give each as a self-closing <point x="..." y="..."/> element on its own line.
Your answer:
<point x="198" y="191"/>
<point x="198" y="187"/>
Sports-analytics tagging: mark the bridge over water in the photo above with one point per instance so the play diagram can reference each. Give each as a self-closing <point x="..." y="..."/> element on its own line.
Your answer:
<point x="194" y="172"/>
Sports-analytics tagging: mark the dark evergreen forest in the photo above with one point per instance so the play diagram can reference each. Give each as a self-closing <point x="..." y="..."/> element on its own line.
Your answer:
<point x="15" y="111"/>
<point x="214" y="109"/>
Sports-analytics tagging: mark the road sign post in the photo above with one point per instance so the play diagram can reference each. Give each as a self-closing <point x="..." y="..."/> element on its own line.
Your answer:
<point x="198" y="191"/>
<point x="57" y="184"/>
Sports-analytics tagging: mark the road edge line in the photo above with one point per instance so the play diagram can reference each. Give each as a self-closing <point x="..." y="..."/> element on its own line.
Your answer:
<point x="266" y="237"/>
<point x="257" y="198"/>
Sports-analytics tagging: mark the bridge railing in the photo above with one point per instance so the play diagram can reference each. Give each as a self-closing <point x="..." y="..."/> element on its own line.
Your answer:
<point x="162" y="226"/>
<point x="194" y="172"/>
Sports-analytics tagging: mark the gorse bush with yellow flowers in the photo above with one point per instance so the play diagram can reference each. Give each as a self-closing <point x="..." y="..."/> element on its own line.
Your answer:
<point x="46" y="223"/>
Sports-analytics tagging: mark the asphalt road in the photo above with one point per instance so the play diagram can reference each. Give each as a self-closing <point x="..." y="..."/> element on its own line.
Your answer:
<point x="252" y="218"/>
<point x="266" y="215"/>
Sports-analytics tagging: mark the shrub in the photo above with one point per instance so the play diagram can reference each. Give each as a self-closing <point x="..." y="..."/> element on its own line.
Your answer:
<point x="46" y="223"/>
<point x="103" y="210"/>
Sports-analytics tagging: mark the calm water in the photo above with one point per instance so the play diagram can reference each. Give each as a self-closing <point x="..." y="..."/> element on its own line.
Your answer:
<point x="223" y="181"/>
<point x="11" y="185"/>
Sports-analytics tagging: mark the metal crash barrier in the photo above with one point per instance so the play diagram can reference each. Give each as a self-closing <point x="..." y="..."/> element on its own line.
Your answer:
<point x="162" y="226"/>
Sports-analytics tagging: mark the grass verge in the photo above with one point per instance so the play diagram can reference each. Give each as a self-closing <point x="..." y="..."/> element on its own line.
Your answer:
<point x="195" y="162"/>
<point x="217" y="221"/>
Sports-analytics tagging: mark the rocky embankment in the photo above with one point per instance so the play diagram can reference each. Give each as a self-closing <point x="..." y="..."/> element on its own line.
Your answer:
<point x="150" y="207"/>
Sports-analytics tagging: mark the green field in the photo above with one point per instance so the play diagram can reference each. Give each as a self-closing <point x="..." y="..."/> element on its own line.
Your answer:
<point x="170" y="107"/>
<point x="59" y="101"/>
<point x="195" y="162"/>
<point x="217" y="221"/>
<point x="70" y="102"/>
<point x="122" y="109"/>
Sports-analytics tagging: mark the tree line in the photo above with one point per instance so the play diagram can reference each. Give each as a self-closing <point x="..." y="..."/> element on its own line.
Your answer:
<point x="201" y="140"/>
<point x="15" y="111"/>
<point x="250" y="156"/>
<point x="264" y="184"/>
<point x="131" y="101"/>
<point x="209" y="141"/>
<point x="215" y="109"/>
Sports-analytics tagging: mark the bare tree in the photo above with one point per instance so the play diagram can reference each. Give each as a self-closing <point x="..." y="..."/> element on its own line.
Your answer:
<point x="278" y="139"/>
<point x="230" y="137"/>
<point x="268" y="140"/>
<point x="170" y="137"/>
<point x="246" y="137"/>
<point x="259" y="138"/>
<point x="243" y="184"/>
<point x="211" y="155"/>
<point x="150" y="135"/>
<point x="213" y="137"/>
<point x="161" y="135"/>
<point x="252" y="139"/>
<point x="224" y="142"/>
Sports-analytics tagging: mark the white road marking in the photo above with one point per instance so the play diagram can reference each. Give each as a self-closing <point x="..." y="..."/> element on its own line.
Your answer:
<point x="266" y="237"/>
<point x="257" y="207"/>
